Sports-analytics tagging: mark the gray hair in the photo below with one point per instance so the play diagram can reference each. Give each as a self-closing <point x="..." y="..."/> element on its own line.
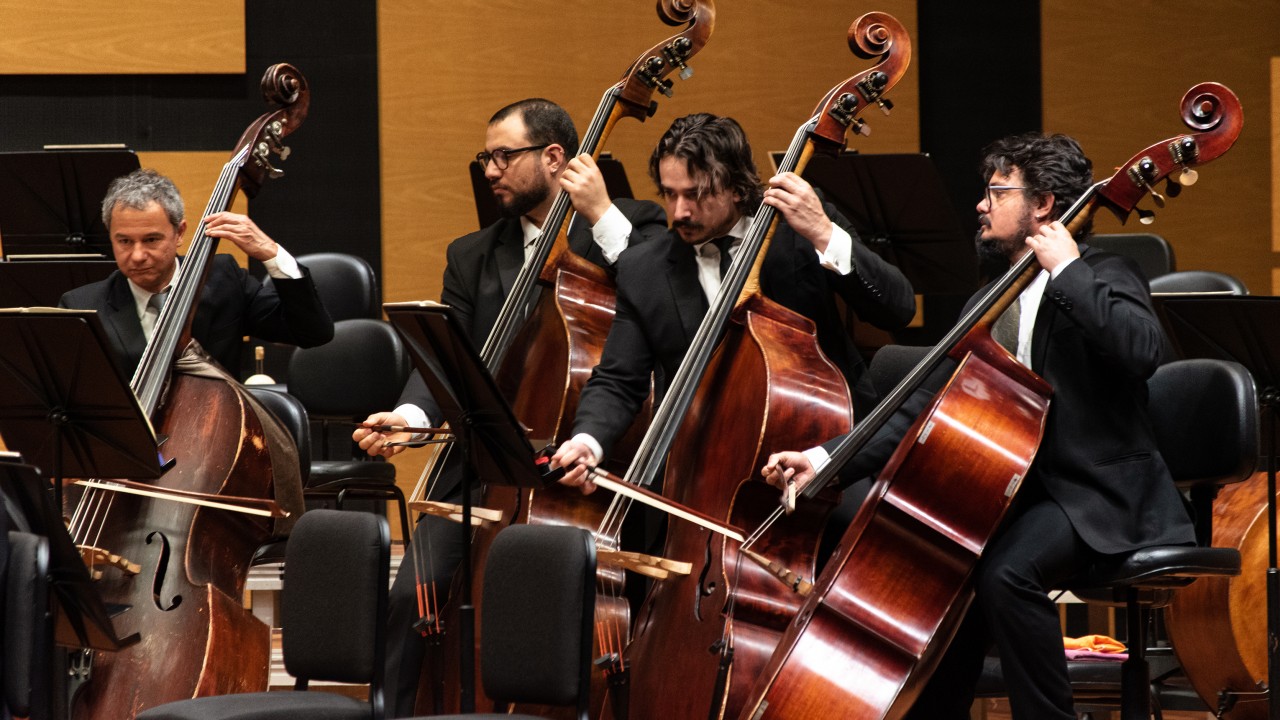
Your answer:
<point x="139" y="189"/>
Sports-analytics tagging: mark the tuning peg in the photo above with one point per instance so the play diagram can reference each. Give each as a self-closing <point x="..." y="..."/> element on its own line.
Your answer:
<point x="676" y="52"/>
<point x="861" y="127"/>
<point x="1146" y="217"/>
<point x="1188" y="177"/>
<point x="664" y="87"/>
<point x="885" y="104"/>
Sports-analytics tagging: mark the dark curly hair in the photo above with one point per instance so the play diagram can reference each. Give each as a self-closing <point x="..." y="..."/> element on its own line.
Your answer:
<point x="545" y="121"/>
<point x="716" y="150"/>
<point x="1050" y="164"/>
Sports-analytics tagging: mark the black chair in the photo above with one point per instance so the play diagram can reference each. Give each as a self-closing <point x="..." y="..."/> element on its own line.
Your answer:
<point x="348" y="288"/>
<point x="1152" y="252"/>
<point x="536" y="628"/>
<point x="334" y="609"/>
<point x="346" y="284"/>
<point x="361" y="371"/>
<point x="27" y="630"/>
<point x="1205" y="417"/>
<point x="1198" y="281"/>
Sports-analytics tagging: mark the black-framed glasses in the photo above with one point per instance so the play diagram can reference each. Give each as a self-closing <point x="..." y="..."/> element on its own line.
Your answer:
<point x="995" y="191"/>
<point x="501" y="157"/>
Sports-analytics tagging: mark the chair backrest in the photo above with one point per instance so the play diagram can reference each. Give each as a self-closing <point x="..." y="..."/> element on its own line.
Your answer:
<point x="362" y="370"/>
<point x="891" y="363"/>
<point x="1152" y="252"/>
<point x="1205" y="417"/>
<point x="544" y="577"/>
<point x="333" y="607"/>
<point x="1192" y="281"/>
<point x="346" y="284"/>
<point x="293" y="415"/>
<point x="26" y="626"/>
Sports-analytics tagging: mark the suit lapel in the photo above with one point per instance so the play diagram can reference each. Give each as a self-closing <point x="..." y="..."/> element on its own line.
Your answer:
<point x="682" y="278"/>
<point x="122" y="319"/>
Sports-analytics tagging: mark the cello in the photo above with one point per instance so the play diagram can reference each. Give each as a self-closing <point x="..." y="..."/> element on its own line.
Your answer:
<point x="548" y="335"/>
<point x="767" y="385"/>
<point x="888" y="602"/>
<point x="184" y="566"/>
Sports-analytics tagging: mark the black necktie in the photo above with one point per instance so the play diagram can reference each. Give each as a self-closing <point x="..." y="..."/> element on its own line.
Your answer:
<point x="723" y="244"/>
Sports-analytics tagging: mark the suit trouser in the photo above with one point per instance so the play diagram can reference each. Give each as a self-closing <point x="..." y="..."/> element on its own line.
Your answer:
<point x="1034" y="551"/>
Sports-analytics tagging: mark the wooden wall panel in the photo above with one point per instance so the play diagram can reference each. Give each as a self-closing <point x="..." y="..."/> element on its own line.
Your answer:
<point x="1275" y="165"/>
<point x="1113" y="76"/>
<point x="80" y="37"/>
<point x="444" y="68"/>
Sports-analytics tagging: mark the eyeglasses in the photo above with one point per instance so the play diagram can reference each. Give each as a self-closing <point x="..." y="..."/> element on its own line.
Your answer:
<point x="502" y="156"/>
<point x="995" y="191"/>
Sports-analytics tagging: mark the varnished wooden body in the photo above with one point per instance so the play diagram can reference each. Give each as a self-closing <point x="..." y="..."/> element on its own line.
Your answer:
<point x="886" y="604"/>
<point x="768" y="388"/>
<point x="1218" y="625"/>
<point x="197" y="637"/>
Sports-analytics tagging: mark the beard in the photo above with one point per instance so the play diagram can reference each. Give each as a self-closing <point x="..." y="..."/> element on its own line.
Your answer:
<point x="523" y="202"/>
<point x="1002" y="249"/>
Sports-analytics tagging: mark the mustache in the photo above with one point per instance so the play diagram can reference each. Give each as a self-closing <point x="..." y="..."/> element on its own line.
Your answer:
<point x="687" y="224"/>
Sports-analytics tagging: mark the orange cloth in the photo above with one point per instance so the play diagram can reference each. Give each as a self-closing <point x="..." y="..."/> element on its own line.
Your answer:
<point x="1094" y="643"/>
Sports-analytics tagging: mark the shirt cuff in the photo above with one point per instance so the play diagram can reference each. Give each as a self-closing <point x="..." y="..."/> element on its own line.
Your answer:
<point x="283" y="266"/>
<point x="818" y="457"/>
<point x="612" y="232"/>
<point x="1054" y="273"/>
<point x="414" y="417"/>
<point x="597" y="452"/>
<point x="839" y="255"/>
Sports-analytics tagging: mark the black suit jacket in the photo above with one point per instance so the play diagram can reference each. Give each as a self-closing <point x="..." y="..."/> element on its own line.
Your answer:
<point x="1096" y="341"/>
<point x="232" y="305"/>
<point x="661" y="304"/>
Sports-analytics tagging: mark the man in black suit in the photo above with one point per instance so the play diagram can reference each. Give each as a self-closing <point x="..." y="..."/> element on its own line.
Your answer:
<point x="704" y="170"/>
<point x="1098" y="485"/>
<point x="144" y="215"/>
<point x="531" y="152"/>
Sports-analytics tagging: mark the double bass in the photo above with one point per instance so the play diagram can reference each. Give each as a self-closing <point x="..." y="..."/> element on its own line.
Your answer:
<point x="766" y="386"/>
<point x="888" y="602"/>
<point x="182" y="567"/>
<point x="1217" y="626"/>
<point x="547" y="338"/>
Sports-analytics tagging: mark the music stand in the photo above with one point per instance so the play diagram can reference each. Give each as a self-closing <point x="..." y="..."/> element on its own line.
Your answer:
<point x="81" y="620"/>
<point x="1241" y="328"/>
<point x="63" y="402"/>
<point x="53" y="200"/>
<point x="483" y="425"/>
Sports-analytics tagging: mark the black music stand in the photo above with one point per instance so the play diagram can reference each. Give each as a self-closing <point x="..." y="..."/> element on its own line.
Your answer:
<point x="63" y="402"/>
<point x="901" y="210"/>
<point x="51" y="221"/>
<point x="53" y="200"/>
<point x="81" y="620"/>
<point x="1241" y="328"/>
<point x="483" y="425"/>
